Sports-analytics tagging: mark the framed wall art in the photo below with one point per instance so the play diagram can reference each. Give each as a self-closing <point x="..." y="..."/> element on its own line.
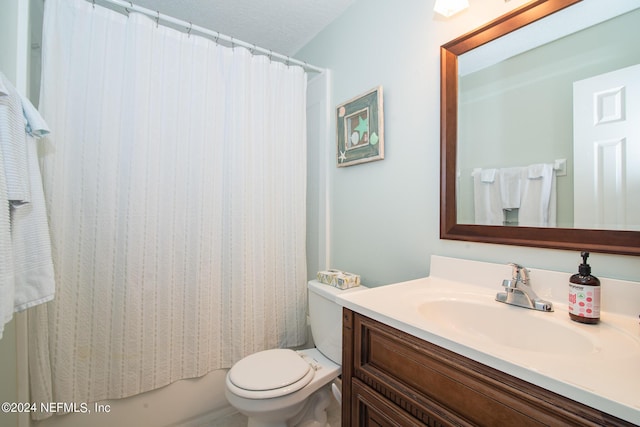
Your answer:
<point x="360" y="129"/>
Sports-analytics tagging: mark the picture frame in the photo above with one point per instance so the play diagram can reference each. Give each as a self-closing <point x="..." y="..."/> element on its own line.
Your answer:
<point x="360" y="129"/>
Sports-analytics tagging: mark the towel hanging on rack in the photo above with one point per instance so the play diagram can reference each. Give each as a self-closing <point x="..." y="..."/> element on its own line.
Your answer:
<point x="510" y="184"/>
<point x="26" y="267"/>
<point x="487" y="199"/>
<point x="531" y="190"/>
<point x="538" y="206"/>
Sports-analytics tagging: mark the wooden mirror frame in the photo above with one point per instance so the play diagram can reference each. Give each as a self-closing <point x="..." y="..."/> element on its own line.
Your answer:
<point x="607" y="241"/>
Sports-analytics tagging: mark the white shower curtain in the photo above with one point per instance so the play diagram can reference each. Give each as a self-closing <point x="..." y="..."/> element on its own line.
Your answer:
<point x="175" y="180"/>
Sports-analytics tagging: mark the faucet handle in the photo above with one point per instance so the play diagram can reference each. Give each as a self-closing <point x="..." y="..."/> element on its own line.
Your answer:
<point x="519" y="273"/>
<point x="515" y="270"/>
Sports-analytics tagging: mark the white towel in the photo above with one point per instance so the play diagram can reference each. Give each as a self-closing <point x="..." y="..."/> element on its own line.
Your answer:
<point x="486" y="197"/>
<point x="34" y="274"/>
<point x="538" y="206"/>
<point x="7" y="283"/>
<point x="34" y="123"/>
<point x="26" y="267"/>
<point x="488" y="175"/>
<point x="510" y="183"/>
<point x="13" y="143"/>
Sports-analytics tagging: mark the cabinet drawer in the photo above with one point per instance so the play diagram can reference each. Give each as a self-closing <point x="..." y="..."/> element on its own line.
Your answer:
<point x="438" y="386"/>
<point x="373" y="410"/>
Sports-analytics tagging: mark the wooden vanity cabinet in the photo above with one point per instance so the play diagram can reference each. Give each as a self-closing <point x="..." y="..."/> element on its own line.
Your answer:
<point x="391" y="378"/>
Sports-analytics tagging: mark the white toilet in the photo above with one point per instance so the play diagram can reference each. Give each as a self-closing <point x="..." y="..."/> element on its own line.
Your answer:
<point x="287" y="388"/>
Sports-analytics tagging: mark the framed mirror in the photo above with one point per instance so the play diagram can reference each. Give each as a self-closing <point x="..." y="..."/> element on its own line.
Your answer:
<point x="469" y="66"/>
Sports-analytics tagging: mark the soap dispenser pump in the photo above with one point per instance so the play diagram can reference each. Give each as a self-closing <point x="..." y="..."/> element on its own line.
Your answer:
<point x="584" y="294"/>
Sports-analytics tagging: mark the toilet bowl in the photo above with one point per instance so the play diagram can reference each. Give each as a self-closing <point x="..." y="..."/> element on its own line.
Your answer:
<point x="287" y="388"/>
<point x="275" y="406"/>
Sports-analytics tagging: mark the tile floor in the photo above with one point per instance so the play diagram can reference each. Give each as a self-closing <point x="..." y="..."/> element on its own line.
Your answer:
<point x="239" y="420"/>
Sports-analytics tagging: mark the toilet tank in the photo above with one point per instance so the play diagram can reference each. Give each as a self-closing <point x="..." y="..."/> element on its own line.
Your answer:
<point x="325" y="315"/>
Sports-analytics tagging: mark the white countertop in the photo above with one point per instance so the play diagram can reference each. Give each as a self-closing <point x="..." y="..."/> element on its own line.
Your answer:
<point x="604" y="373"/>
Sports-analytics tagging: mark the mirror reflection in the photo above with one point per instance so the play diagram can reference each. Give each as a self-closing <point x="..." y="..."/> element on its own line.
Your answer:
<point x="546" y="137"/>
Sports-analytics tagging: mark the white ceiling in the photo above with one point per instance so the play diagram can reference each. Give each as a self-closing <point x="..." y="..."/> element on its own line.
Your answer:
<point x="283" y="26"/>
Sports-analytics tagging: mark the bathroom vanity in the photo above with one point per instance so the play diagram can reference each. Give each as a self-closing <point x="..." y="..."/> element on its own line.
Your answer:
<point x="441" y="351"/>
<point x="392" y="378"/>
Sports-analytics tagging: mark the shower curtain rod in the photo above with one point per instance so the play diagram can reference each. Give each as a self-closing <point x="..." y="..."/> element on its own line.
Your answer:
<point x="189" y="27"/>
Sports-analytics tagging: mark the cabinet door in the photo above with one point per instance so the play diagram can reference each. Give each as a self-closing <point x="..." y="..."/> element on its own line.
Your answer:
<point x="373" y="411"/>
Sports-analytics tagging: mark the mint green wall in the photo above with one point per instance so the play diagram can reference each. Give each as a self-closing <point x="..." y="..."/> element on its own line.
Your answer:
<point x="385" y="214"/>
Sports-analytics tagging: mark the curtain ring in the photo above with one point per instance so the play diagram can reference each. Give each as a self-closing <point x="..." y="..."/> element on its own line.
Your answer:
<point x="253" y="49"/>
<point x="288" y="60"/>
<point x="233" y="45"/>
<point x="189" y="29"/>
<point x="94" y="3"/>
<point x="217" y="37"/>
<point x="127" y="9"/>
<point x="157" y="18"/>
<point x="270" y="54"/>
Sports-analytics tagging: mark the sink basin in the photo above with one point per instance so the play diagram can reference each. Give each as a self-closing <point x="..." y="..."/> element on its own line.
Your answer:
<point x="505" y="325"/>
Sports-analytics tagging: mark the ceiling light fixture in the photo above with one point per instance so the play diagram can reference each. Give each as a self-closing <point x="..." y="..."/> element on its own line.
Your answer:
<point x="448" y="8"/>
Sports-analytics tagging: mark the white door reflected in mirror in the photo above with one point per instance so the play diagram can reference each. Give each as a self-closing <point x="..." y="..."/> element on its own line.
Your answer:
<point x="607" y="150"/>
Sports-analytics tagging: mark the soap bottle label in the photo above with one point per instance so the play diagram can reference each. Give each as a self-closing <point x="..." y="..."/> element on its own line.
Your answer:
<point x="584" y="301"/>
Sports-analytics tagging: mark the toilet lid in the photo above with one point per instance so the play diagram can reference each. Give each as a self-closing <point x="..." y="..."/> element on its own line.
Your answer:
<point x="269" y="370"/>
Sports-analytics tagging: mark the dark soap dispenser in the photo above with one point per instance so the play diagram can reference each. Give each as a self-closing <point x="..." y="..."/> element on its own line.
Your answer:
<point x="584" y="294"/>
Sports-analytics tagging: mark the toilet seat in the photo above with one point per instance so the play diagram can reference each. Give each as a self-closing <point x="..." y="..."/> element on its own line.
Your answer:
<point x="269" y="373"/>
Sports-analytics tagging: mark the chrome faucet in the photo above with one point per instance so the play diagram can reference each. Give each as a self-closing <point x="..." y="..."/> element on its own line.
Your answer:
<point x="519" y="291"/>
